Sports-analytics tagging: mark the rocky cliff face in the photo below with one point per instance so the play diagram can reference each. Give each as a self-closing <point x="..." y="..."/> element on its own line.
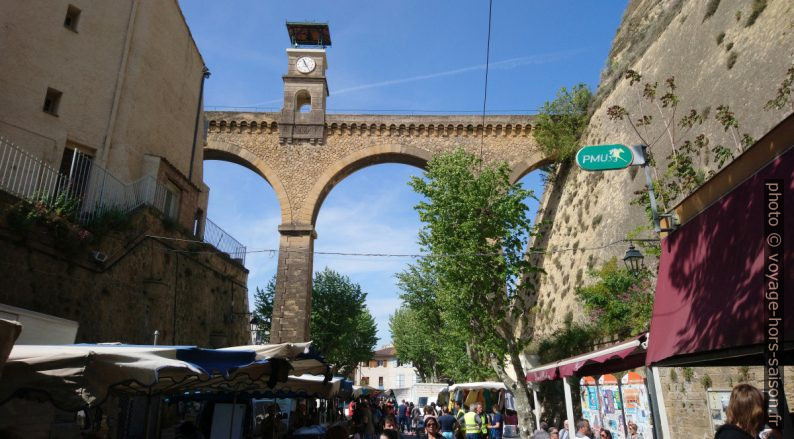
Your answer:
<point x="728" y="52"/>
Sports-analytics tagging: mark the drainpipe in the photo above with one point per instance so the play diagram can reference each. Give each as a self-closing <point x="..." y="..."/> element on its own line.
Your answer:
<point x="119" y="84"/>
<point x="205" y="73"/>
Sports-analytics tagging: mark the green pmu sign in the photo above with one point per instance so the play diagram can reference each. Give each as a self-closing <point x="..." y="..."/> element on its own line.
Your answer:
<point x="604" y="157"/>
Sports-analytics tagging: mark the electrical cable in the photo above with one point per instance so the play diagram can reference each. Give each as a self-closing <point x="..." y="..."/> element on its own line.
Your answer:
<point x="485" y="91"/>
<point x="397" y="255"/>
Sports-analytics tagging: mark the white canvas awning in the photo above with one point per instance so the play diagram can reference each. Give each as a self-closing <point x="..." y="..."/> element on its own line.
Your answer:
<point x="491" y="385"/>
<point x="75" y="376"/>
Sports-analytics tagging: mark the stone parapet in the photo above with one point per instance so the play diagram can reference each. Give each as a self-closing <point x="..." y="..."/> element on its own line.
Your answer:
<point x="380" y="125"/>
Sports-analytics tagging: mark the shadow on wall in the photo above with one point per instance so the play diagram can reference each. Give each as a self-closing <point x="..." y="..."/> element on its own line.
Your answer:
<point x="713" y="276"/>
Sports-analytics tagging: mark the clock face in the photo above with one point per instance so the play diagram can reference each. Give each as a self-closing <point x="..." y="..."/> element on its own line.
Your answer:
<point x="305" y="64"/>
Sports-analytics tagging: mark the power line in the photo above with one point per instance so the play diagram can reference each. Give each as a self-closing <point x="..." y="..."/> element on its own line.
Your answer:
<point x="382" y="110"/>
<point x="273" y="251"/>
<point x="487" y="65"/>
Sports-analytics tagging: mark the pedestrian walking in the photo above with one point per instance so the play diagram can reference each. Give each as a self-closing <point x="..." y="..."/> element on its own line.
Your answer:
<point x="389" y="423"/>
<point x="565" y="432"/>
<point x="416" y="420"/>
<point x="473" y="422"/>
<point x="389" y="434"/>
<point x="432" y="428"/>
<point x="581" y="429"/>
<point x="554" y="433"/>
<point x="542" y="431"/>
<point x="745" y="414"/>
<point x="605" y="434"/>
<point x="447" y="424"/>
<point x="402" y="415"/>
<point x="634" y="431"/>
<point x="496" y="423"/>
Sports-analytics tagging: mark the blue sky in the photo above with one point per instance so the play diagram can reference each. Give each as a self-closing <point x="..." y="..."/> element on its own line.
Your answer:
<point x="387" y="56"/>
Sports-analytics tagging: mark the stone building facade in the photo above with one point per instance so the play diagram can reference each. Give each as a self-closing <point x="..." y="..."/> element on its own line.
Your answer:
<point x="117" y="85"/>
<point x="191" y="294"/>
<point x="719" y="59"/>
<point x="384" y="371"/>
<point x="118" y="81"/>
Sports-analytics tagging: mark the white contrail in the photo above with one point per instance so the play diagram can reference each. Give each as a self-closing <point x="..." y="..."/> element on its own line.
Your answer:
<point x="504" y="65"/>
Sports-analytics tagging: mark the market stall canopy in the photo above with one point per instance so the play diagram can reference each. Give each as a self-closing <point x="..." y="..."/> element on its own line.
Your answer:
<point x="490" y="385"/>
<point x="617" y="357"/>
<point x="9" y="332"/>
<point x="710" y="299"/>
<point x="304" y="386"/>
<point x="359" y="391"/>
<point x="76" y="376"/>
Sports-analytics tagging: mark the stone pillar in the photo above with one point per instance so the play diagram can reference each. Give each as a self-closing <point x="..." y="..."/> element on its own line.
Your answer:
<point x="293" y="301"/>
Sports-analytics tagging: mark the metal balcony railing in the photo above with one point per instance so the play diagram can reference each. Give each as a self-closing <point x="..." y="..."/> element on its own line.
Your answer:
<point x="95" y="191"/>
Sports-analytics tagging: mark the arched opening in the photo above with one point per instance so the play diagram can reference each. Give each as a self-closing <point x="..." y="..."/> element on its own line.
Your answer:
<point x="303" y="101"/>
<point x="246" y="202"/>
<point x="370" y="210"/>
<point x="359" y="160"/>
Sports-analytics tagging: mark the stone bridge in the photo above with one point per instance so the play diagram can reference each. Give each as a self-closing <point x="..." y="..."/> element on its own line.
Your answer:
<point x="303" y="173"/>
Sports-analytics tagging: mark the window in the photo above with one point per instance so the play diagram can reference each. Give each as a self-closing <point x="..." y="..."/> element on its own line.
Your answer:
<point x="379" y="363"/>
<point x="76" y="164"/>
<point x="72" y="17"/>
<point x="395" y="363"/>
<point x="51" y="101"/>
<point x="171" y="200"/>
<point x="380" y="382"/>
<point x="400" y="381"/>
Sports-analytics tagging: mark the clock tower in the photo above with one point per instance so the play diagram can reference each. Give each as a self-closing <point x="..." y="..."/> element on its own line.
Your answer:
<point x="302" y="118"/>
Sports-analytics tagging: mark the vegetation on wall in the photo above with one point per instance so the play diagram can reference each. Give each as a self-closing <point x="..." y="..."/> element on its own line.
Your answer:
<point x="620" y="301"/>
<point x="560" y="123"/>
<point x="693" y="158"/>
<point x="58" y="216"/>
<point x="783" y="96"/>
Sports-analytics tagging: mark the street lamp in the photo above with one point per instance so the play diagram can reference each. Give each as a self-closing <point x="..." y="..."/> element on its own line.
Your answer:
<point x="633" y="259"/>
<point x="254" y="328"/>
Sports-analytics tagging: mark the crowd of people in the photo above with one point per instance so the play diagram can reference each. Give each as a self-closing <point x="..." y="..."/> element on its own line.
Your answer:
<point x="745" y="418"/>
<point x="382" y="419"/>
<point x="387" y="420"/>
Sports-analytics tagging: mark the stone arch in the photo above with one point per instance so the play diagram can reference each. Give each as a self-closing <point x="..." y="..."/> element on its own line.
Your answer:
<point x="524" y="167"/>
<point x="302" y="98"/>
<point x="375" y="155"/>
<point x="229" y="152"/>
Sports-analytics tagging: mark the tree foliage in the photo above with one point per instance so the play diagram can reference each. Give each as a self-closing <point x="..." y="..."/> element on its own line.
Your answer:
<point x="437" y="351"/>
<point x="475" y="230"/>
<point x="342" y="328"/>
<point x="560" y="123"/>
<point x="263" y="310"/>
<point x="620" y="301"/>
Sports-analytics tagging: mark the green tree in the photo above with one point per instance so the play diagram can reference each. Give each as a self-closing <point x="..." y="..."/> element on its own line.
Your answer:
<point x="441" y="356"/>
<point x="342" y="328"/>
<point x="263" y="310"/>
<point x="560" y="123"/>
<point x="475" y="229"/>
<point x="409" y="332"/>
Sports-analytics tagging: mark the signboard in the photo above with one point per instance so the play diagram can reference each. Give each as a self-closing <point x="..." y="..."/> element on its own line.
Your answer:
<point x="604" y="157"/>
<point x="718" y="406"/>
<point x="588" y="393"/>
<point x="611" y="406"/>
<point x="636" y="404"/>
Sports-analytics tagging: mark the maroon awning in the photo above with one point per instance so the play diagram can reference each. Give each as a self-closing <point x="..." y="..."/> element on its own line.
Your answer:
<point x="710" y="289"/>
<point x="543" y="373"/>
<point x="614" y="358"/>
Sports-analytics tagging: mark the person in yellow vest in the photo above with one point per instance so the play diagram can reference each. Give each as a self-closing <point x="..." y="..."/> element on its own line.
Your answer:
<point x="472" y="422"/>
